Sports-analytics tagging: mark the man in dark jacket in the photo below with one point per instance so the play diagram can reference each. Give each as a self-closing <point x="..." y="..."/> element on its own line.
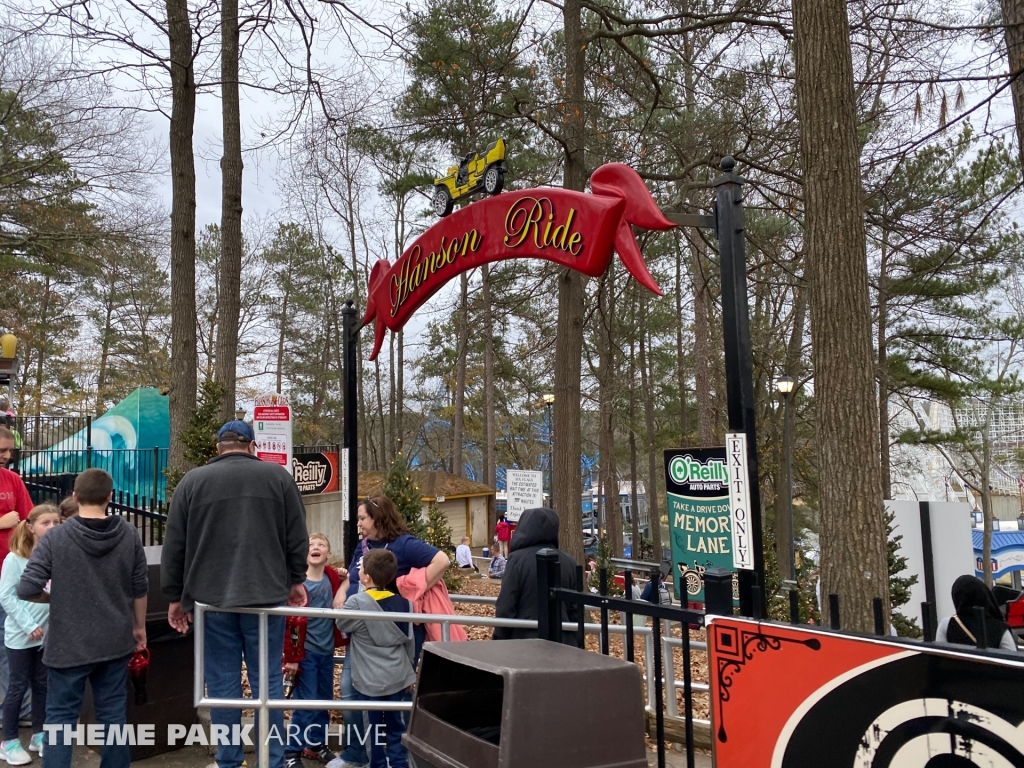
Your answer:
<point x="236" y="537"/>
<point x="537" y="530"/>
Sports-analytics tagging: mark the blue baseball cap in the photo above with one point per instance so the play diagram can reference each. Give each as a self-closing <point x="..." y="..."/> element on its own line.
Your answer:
<point x="240" y="428"/>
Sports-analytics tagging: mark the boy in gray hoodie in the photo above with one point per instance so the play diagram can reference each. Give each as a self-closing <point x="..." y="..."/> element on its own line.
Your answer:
<point x="98" y="583"/>
<point x="381" y="653"/>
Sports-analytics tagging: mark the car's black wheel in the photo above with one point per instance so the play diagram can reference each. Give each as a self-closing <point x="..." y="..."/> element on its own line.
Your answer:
<point x="494" y="179"/>
<point x="443" y="202"/>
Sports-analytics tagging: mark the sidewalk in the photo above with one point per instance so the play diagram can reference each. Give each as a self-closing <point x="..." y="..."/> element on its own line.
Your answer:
<point x="675" y="759"/>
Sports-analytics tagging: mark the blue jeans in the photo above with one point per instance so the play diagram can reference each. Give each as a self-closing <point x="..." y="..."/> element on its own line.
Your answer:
<point x="387" y="727"/>
<point x="5" y="672"/>
<point x="230" y="639"/>
<point x="315" y="681"/>
<point x="354" y="752"/>
<point x="65" y="689"/>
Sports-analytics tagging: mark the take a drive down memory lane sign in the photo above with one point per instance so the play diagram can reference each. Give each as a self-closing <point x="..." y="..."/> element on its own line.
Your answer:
<point x="802" y="697"/>
<point x="697" y="490"/>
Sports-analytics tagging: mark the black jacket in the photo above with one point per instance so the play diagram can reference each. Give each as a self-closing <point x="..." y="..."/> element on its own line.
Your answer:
<point x="236" y="535"/>
<point x="537" y="529"/>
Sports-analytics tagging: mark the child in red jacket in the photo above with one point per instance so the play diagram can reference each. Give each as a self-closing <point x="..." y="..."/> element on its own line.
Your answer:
<point x="309" y="658"/>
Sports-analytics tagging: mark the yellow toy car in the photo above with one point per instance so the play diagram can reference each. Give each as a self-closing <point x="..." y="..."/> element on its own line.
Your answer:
<point x="478" y="172"/>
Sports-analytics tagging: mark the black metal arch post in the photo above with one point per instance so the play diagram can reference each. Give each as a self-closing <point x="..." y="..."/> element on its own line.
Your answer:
<point x="728" y="223"/>
<point x="349" y="458"/>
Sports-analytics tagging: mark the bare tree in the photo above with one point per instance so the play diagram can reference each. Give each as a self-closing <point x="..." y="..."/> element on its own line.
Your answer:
<point x="231" y="208"/>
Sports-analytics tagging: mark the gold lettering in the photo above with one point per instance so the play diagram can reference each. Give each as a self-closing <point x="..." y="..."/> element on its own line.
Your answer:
<point x="416" y="269"/>
<point x="575" y="244"/>
<point x="558" y="238"/>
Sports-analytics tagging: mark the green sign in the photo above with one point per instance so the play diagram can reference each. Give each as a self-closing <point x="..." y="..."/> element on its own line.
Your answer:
<point x="697" y="482"/>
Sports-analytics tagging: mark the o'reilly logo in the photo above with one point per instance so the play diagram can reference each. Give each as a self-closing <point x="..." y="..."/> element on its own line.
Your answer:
<point x="685" y="471"/>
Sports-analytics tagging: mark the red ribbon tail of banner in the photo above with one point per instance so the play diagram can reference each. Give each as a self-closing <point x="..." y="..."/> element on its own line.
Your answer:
<point x="377" y="274"/>
<point x="619" y="180"/>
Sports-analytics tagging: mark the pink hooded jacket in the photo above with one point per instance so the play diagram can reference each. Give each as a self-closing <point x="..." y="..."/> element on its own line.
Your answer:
<point x="413" y="588"/>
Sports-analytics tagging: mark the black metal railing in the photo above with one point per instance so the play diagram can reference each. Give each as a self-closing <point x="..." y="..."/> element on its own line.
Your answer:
<point x="136" y="472"/>
<point x="148" y="515"/>
<point x="549" y="612"/>
<point x="40" y="432"/>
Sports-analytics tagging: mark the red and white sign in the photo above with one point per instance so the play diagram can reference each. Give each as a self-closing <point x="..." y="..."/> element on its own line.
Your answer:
<point x="272" y="423"/>
<point x="801" y="697"/>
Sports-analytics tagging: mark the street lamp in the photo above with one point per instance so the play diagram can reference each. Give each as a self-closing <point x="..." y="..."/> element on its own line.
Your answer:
<point x="549" y="400"/>
<point x="9" y="363"/>
<point x="240" y="414"/>
<point x="785" y="385"/>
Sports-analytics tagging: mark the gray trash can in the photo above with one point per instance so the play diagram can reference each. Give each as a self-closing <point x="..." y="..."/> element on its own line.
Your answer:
<point x="525" y="703"/>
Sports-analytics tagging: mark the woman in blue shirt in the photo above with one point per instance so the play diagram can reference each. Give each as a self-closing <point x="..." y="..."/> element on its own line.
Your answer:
<point x="381" y="527"/>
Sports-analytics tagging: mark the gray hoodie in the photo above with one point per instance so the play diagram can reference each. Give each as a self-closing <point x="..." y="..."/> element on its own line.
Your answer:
<point x="96" y="569"/>
<point x="380" y="653"/>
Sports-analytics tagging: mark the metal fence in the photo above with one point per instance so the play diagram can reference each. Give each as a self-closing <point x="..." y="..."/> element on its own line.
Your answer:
<point x="653" y="663"/>
<point x="40" y="432"/>
<point x="149" y="516"/>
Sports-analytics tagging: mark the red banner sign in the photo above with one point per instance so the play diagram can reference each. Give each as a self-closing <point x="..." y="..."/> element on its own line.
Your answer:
<point x="799" y="697"/>
<point x="573" y="229"/>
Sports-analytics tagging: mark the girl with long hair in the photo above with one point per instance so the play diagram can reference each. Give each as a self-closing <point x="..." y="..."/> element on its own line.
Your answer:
<point x="23" y="637"/>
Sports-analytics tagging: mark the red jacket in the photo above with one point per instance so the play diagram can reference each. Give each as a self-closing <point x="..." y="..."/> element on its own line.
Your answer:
<point x="504" y="530"/>
<point x="13" y="498"/>
<point x="298" y="623"/>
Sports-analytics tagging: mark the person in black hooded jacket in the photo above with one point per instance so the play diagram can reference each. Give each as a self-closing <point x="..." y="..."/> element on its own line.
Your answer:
<point x="970" y="593"/>
<point x="537" y="530"/>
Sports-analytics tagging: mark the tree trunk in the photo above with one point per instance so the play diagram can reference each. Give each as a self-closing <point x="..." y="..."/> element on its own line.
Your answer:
<point x="883" y="373"/>
<point x="569" y="328"/>
<point x="647" y="385"/>
<point x="229" y="295"/>
<point x="283" y="328"/>
<point x="382" y="453"/>
<point x="461" y="352"/>
<point x="490" y="420"/>
<point x="400" y="384"/>
<point x="853" y="541"/>
<point x="613" y="509"/>
<point x="390" y="456"/>
<point x="101" y="376"/>
<point x="634" y="495"/>
<point x="1013" y="35"/>
<point x="183" y="229"/>
<point x="604" y="399"/>
<point x="986" y="496"/>
<point x="680" y="349"/>
<point x="792" y="368"/>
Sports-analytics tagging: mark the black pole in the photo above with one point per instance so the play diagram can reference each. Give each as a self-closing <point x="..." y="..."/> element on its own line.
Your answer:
<point x="789" y="486"/>
<point x="551" y="459"/>
<point x="549" y="617"/>
<point x="876" y="607"/>
<point x="927" y="555"/>
<point x="350" y="337"/>
<point x="739" y="366"/>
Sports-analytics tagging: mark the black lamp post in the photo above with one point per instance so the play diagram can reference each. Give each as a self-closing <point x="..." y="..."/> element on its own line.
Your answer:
<point x="785" y="385"/>
<point x="549" y="400"/>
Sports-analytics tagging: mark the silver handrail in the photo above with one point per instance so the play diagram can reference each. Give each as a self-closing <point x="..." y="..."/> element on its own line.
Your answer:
<point x="264" y="704"/>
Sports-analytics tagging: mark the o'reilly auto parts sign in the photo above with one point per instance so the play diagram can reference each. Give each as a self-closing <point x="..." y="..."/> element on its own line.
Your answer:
<point x="316" y="472"/>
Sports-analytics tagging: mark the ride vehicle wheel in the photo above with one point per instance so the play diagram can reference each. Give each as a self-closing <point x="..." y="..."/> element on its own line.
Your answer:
<point x="494" y="180"/>
<point x="442" y="202"/>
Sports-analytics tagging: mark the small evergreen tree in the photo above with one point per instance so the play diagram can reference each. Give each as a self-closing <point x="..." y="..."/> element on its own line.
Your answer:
<point x="439" y="534"/>
<point x="403" y="491"/>
<point x="200" y="436"/>
<point x="899" y="586"/>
